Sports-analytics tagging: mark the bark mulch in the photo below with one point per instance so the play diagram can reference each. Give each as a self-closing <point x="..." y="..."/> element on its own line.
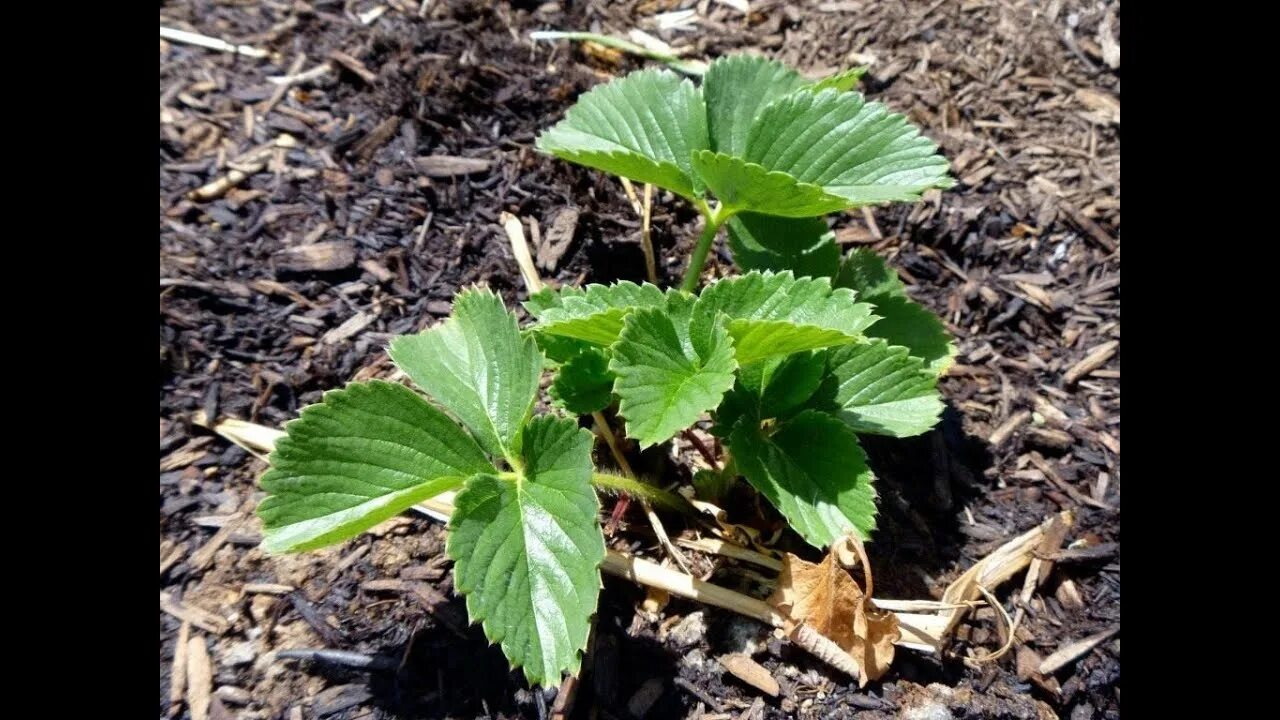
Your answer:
<point x="369" y="192"/>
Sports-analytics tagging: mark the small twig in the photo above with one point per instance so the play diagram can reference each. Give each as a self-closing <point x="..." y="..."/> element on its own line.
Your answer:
<point x="731" y="550"/>
<point x="1071" y="651"/>
<point x="646" y="238"/>
<point x="278" y="94"/>
<point x="697" y="692"/>
<point x="520" y="248"/>
<point x="354" y="65"/>
<point x="345" y="658"/>
<point x="211" y="43"/>
<point x="603" y="429"/>
<point x="301" y="77"/>
<point x="688" y="67"/>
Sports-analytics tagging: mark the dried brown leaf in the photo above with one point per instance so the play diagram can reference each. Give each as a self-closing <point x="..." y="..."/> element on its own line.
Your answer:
<point x="827" y="599"/>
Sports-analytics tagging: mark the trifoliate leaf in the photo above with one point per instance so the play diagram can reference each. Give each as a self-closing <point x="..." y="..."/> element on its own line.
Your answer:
<point x="748" y="186"/>
<point x="669" y="373"/>
<point x="595" y="314"/>
<point x="842" y="81"/>
<point x="644" y="126"/>
<point x="584" y="384"/>
<point x="365" y="453"/>
<point x="903" y="321"/>
<point x="805" y="246"/>
<point x="479" y="367"/>
<point x="878" y="388"/>
<point x="777" y="314"/>
<point x="813" y="470"/>
<point x="737" y="87"/>
<point x="527" y="550"/>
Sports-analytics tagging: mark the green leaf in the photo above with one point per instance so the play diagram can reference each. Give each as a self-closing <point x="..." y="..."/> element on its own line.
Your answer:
<point x="866" y="272"/>
<point x="813" y="470"/>
<point x="845" y="146"/>
<point x="644" y="126"/>
<point x="584" y="384"/>
<point x="843" y="81"/>
<point x="773" y="388"/>
<point x="903" y="321"/>
<point x="907" y="323"/>
<point x="878" y="388"/>
<point x="805" y="246"/>
<point x="669" y="373"/>
<point x="595" y="314"/>
<point x="479" y="367"/>
<point x="365" y="453"/>
<point x="747" y="186"/>
<point x="737" y="87"/>
<point x="527" y="550"/>
<point x="777" y="314"/>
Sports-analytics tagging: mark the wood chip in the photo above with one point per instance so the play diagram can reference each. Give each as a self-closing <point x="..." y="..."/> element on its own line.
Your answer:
<point x="1008" y="427"/>
<point x="348" y="329"/>
<point x="199" y="678"/>
<point x="556" y="241"/>
<point x="178" y="676"/>
<point x="318" y="257"/>
<point x="268" y="589"/>
<point x="1094" y="359"/>
<point x="354" y="66"/>
<point x="750" y="672"/>
<point x="202" y="619"/>
<point x="1091" y="228"/>
<point x="447" y="166"/>
<point x="1073" y="651"/>
<point x="203" y="557"/>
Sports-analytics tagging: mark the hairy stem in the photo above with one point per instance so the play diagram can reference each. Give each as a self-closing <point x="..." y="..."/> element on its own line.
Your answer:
<point x="652" y="493"/>
<point x="700" y="250"/>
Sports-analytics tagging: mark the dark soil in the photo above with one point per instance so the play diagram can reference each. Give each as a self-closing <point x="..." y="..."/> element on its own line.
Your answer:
<point x="292" y="282"/>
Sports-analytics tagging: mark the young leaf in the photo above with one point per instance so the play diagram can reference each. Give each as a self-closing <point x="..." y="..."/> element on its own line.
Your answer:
<point x="644" y="126"/>
<point x="479" y="367"/>
<point x="843" y="81"/>
<point x="878" y="388"/>
<point x="527" y="551"/>
<point x="813" y="470"/>
<point x="865" y="271"/>
<point x="805" y="246"/>
<point x="736" y="88"/>
<point x="365" y="453"/>
<point x="669" y="373"/>
<point x="774" y="314"/>
<point x="903" y="321"/>
<point x="847" y="147"/>
<point x="594" y="314"/>
<point x="584" y="384"/>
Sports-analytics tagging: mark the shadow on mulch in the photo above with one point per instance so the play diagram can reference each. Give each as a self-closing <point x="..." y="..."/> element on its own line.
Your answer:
<point x="922" y="481"/>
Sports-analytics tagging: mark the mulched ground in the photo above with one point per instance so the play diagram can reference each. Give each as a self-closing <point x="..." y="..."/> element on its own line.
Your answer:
<point x="292" y="282"/>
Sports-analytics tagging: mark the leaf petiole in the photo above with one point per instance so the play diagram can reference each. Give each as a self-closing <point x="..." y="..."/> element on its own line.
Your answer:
<point x="716" y="217"/>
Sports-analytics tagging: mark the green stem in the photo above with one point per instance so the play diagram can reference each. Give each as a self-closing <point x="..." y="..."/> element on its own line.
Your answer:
<point x="654" y="494"/>
<point x="715" y="218"/>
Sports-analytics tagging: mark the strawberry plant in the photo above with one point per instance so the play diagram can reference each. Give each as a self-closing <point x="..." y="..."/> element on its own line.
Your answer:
<point x="791" y="361"/>
<point x="756" y="147"/>
<point x="785" y="366"/>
